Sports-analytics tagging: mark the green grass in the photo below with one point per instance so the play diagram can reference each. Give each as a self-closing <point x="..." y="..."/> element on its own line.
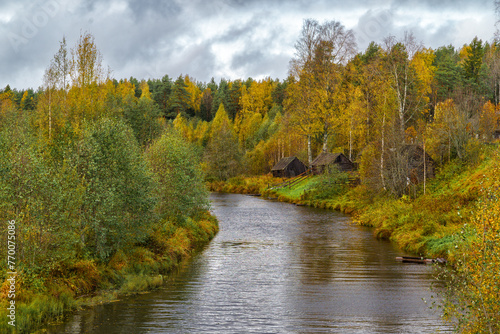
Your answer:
<point x="297" y="190"/>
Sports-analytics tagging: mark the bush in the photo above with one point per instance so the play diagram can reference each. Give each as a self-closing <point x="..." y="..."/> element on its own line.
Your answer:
<point x="472" y="297"/>
<point x="180" y="189"/>
<point x="117" y="203"/>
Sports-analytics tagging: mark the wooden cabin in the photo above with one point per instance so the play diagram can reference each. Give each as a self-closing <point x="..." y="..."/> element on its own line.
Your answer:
<point x="326" y="160"/>
<point x="288" y="167"/>
<point x="416" y="164"/>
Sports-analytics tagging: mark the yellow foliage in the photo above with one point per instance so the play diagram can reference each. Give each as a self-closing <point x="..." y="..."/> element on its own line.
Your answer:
<point x="476" y="285"/>
<point x="488" y="120"/>
<point x="257" y="99"/>
<point x="145" y="90"/>
<point x="179" y="244"/>
<point x="422" y="63"/>
<point x="195" y="93"/>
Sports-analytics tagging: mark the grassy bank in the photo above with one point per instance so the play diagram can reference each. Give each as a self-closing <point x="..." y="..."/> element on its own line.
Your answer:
<point x="47" y="297"/>
<point x="423" y="225"/>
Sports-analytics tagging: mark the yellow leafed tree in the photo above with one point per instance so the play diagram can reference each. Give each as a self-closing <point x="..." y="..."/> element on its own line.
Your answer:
<point x="472" y="299"/>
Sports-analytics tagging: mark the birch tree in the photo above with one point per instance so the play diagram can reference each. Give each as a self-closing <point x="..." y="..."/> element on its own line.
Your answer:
<point x="321" y="53"/>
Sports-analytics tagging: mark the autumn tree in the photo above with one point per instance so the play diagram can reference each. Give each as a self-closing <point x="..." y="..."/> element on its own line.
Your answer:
<point x="450" y="131"/>
<point x="222" y="156"/>
<point x="86" y="62"/>
<point x="321" y="54"/>
<point x="408" y="90"/>
<point x="195" y="96"/>
<point x="298" y="107"/>
<point x="256" y="101"/>
<point x="489" y="121"/>
<point x="55" y="83"/>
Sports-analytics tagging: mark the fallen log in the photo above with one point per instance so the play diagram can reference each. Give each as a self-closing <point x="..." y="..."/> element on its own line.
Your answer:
<point x="414" y="259"/>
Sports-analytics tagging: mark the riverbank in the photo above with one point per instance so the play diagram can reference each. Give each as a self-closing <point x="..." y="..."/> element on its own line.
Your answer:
<point x="425" y="224"/>
<point x="86" y="283"/>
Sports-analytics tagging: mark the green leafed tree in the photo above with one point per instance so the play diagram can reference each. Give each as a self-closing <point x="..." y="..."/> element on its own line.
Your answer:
<point x="180" y="189"/>
<point x="179" y="98"/>
<point x="143" y="116"/>
<point x="473" y="60"/>
<point x="222" y="155"/>
<point x="160" y="92"/>
<point x="117" y="205"/>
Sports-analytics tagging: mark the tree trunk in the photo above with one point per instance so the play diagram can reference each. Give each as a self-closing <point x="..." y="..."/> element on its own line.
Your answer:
<point x="425" y="167"/>
<point x="382" y="154"/>
<point x="350" y="141"/>
<point x="309" y="152"/>
<point x="50" y="114"/>
<point x="325" y="142"/>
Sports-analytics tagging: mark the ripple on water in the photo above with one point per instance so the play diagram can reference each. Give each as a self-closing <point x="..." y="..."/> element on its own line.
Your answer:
<point x="279" y="268"/>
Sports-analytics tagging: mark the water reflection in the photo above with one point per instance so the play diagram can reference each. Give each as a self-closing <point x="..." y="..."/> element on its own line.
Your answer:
<point x="278" y="268"/>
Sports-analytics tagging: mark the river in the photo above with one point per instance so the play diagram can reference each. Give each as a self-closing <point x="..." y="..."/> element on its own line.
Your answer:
<point x="278" y="268"/>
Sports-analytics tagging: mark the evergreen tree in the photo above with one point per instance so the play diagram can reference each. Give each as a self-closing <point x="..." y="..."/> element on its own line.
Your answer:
<point x="473" y="60"/>
<point x="179" y="99"/>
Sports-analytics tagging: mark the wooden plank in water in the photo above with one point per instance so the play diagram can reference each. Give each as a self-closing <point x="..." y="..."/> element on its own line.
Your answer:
<point x="414" y="259"/>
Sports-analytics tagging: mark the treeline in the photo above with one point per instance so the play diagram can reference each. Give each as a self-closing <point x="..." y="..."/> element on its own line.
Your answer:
<point x="368" y="105"/>
<point x="98" y="185"/>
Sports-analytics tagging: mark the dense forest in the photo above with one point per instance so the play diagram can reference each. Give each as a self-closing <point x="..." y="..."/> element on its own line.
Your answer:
<point x="98" y="192"/>
<point x="367" y="105"/>
<point x="94" y="167"/>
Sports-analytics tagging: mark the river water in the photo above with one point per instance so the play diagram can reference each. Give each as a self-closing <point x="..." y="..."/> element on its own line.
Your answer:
<point x="279" y="268"/>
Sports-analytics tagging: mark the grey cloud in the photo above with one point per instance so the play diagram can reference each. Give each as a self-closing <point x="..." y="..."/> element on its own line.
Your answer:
<point x="27" y="40"/>
<point x="151" y="38"/>
<point x="198" y="60"/>
<point x="433" y="5"/>
<point x="245" y="58"/>
<point x="374" y="25"/>
<point x="143" y="9"/>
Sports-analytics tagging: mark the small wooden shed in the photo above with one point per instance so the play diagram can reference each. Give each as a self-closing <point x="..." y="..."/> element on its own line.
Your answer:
<point x="288" y="167"/>
<point x="416" y="162"/>
<point x="325" y="160"/>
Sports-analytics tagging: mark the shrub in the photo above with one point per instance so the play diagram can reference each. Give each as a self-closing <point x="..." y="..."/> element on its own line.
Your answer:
<point x="117" y="204"/>
<point x="473" y="294"/>
<point x="180" y="189"/>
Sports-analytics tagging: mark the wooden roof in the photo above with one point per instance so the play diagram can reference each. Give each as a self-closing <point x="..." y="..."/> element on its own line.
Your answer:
<point x="325" y="158"/>
<point x="283" y="163"/>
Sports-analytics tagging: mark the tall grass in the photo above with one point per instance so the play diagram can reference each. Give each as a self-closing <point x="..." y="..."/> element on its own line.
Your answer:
<point x="132" y="270"/>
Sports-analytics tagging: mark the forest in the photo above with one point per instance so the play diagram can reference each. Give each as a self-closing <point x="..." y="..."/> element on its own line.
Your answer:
<point x="366" y="105"/>
<point x="100" y="170"/>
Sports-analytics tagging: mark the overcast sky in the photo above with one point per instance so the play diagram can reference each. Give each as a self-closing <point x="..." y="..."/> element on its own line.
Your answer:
<point x="232" y="39"/>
